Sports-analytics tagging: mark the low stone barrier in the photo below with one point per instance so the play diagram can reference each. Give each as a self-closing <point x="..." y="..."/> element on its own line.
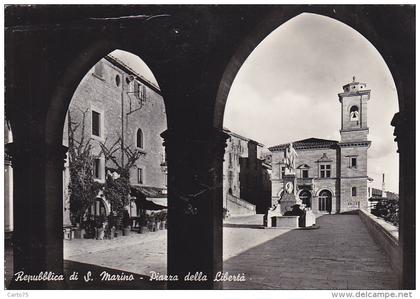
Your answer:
<point x="239" y="207"/>
<point x="386" y="235"/>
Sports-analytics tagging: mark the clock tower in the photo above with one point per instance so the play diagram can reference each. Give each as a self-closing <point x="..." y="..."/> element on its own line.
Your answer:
<point x="353" y="146"/>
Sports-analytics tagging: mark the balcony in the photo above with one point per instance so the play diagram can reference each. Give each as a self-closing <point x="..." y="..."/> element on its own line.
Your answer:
<point x="307" y="182"/>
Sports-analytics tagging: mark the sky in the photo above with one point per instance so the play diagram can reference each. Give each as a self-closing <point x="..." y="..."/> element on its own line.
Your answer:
<point x="136" y="63"/>
<point x="287" y="90"/>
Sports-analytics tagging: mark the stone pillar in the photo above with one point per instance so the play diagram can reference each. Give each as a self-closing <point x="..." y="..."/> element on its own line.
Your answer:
<point x="314" y="202"/>
<point x="37" y="210"/>
<point x="195" y="214"/>
<point x="407" y="234"/>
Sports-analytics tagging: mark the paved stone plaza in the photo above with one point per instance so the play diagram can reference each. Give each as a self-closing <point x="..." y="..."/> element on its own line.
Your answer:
<point x="137" y="253"/>
<point x="339" y="255"/>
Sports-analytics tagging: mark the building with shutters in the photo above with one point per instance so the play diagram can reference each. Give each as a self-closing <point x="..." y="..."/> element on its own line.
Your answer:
<point x="114" y="102"/>
<point x="331" y="175"/>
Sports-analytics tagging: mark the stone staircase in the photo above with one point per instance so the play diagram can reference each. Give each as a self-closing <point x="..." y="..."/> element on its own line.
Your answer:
<point x="239" y="207"/>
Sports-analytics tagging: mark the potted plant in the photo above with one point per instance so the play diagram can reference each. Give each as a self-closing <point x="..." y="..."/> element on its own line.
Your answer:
<point x="110" y="227"/>
<point x="162" y="217"/>
<point x="158" y="220"/>
<point x="89" y="227"/>
<point x="117" y="224"/>
<point x="77" y="231"/>
<point x="151" y="223"/>
<point x="143" y="222"/>
<point x="109" y="232"/>
<point x="100" y="227"/>
<point x="126" y="223"/>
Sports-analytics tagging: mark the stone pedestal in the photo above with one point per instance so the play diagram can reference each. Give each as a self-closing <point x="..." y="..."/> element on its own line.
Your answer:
<point x="271" y="213"/>
<point x="285" y="221"/>
<point x="289" y="197"/>
<point x="309" y="218"/>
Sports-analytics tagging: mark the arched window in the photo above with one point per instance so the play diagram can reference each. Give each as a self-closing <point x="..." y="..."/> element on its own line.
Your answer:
<point x="139" y="139"/>
<point x="324" y="201"/>
<point x="354" y="113"/>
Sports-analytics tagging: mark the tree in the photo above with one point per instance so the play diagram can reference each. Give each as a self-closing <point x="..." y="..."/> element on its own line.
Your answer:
<point x="82" y="187"/>
<point x="117" y="187"/>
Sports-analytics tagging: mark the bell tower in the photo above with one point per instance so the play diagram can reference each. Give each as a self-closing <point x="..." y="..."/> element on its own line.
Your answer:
<point x="353" y="146"/>
<point x="354" y="111"/>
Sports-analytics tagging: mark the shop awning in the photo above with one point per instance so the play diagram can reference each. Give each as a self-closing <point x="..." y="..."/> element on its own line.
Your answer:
<point x="149" y="198"/>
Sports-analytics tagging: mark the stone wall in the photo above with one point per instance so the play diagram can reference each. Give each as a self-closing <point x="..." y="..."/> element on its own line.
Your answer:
<point x="239" y="207"/>
<point x="386" y="235"/>
<point x="353" y="177"/>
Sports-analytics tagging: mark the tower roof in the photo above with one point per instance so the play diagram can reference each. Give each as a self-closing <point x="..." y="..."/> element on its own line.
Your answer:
<point x="354" y="86"/>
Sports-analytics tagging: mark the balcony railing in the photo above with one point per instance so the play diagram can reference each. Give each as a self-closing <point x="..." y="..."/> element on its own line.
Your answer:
<point x="305" y="182"/>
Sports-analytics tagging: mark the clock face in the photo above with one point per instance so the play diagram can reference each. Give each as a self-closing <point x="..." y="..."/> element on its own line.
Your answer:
<point x="289" y="187"/>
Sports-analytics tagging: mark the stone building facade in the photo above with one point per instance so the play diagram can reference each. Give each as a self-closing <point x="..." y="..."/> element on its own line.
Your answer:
<point x="117" y="103"/>
<point x="332" y="175"/>
<point x="246" y="176"/>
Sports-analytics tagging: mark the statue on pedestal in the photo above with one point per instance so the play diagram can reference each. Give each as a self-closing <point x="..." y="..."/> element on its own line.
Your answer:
<point x="291" y="156"/>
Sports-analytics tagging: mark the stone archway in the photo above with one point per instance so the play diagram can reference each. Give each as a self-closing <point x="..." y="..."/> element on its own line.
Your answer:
<point x="401" y="119"/>
<point x="325" y="201"/>
<point x="195" y="54"/>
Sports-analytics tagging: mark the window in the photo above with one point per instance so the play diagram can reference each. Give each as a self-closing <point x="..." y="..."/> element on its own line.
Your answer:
<point x="305" y="173"/>
<point x="117" y="80"/>
<point x="353" y="162"/>
<point x="139" y="175"/>
<point x="230" y="177"/>
<point x="139" y="90"/>
<point x="143" y="92"/>
<point x="353" y="191"/>
<point x="324" y="201"/>
<point x="139" y="138"/>
<point x="96" y="123"/>
<point x="230" y="159"/>
<point x="97" y="169"/>
<point x="98" y="70"/>
<point x="282" y="171"/>
<point x="325" y="170"/>
<point x="136" y="89"/>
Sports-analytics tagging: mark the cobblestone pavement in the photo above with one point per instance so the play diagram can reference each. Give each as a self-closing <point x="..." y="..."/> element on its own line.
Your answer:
<point x="137" y="253"/>
<point x="339" y="255"/>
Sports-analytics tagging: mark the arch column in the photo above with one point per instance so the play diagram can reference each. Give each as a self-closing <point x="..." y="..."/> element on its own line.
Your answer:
<point x="38" y="210"/>
<point x="195" y="216"/>
<point x="407" y="234"/>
